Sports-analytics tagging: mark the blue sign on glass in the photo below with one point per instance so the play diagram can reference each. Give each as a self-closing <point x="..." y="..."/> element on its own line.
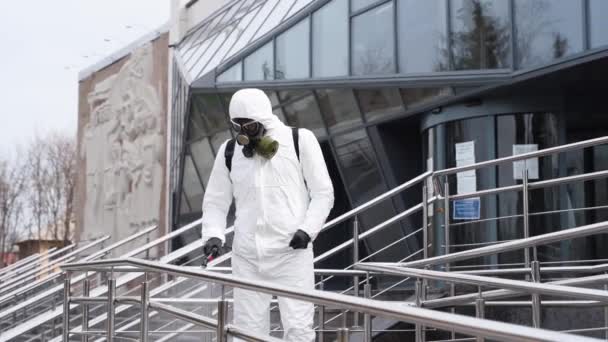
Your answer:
<point x="466" y="209"/>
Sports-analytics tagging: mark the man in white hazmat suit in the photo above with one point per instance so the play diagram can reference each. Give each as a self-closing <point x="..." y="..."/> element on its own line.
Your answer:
<point x="283" y="195"/>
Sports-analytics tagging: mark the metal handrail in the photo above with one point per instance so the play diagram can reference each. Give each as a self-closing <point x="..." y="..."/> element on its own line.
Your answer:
<point x="94" y="256"/>
<point x="22" y="262"/>
<point x="515" y="285"/>
<point x="505" y="294"/>
<point x="543" y="239"/>
<point x="17" y="281"/>
<point x="42" y="259"/>
<point x="524" y="156"/>
<point x="441" y="320"/>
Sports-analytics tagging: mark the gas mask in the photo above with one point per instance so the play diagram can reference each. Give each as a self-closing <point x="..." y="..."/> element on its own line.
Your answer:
<point x="250" y="135"/>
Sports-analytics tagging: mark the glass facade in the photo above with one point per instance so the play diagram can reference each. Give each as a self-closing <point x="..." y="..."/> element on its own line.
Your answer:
<point x="371" y="55"/>
<point x="547" y="30"/>
<point x="330" y="40"/>
<point x="598" y="23"/>
<point x="292" y="52"/>
<point x="480" y="35"/>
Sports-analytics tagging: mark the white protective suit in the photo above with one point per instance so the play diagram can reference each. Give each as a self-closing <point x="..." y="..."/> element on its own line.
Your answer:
<point x="274" y="198"/>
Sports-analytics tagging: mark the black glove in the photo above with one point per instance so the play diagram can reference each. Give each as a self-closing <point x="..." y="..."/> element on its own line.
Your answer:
<point x="300" y="240"/>
<point x="213" y="247"/>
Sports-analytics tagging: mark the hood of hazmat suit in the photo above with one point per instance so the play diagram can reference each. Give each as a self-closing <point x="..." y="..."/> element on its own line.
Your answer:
<point x="273" y="199"/>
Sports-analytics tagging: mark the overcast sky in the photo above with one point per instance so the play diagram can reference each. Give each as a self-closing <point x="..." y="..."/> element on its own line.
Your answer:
<point x="43" y="47"/>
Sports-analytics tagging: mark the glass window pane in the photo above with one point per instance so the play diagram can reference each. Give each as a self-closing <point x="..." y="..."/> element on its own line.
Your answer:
<point x="260" y="15"/>
<point x="304" y="113"/>
<point x="196" y="126"/>
<point x="233" y="74"/>
<point x="546" y="30"/>
<point x="289" y="95"/>
<point x="293" y="52"/>
<point x="297" y="7"/>
<point x="339" y="108"/>
<point x="274" y="100"/>
<point x="360" y="4"/>
<point x="259" y="65"/>
<point x="598" y="11"/>
<point x="213" y="115"/>
<point x="191" y="185"/>
<point x="379" y="102"/>
<point x="370" y="54"/>
<point x="218" y="139"/>
<point x="239" y="26"/>
<point x="422" y="35"/>
<point x="413" y="97"/>
<point x="330" y="40"/>
<point x="202" y="155"/>
<point x="358" y="161"/>
<point x="480" y="34"/>
<point x="183" y="205"/>
<point x="275" y="17"/>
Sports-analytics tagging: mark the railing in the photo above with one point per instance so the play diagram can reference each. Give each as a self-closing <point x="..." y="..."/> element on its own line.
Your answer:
<point x="439" y="320"/>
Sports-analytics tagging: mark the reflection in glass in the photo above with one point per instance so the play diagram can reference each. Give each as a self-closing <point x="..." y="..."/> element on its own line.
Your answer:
<point x="276" y="16"/>
<point x="547" y="30"/>
<point x="259" y="17"/>
<point x="259" y="65"/>
<point x="292" y="52"/>
<point x="304" y="113"/>
<point x="598" y="9"/>
<point x="191" y="185"/>
<point x="184" y="208"/>
<point x="290" y="95"/>
<point x="356" y="5"/>
<point x="218" y="139"/>
<point x="422" y="33"/>
<point x="480" y="34"/>
<point x="413" y="97"/>
<point x="540" y="129"/>
<point x="214" y="117"/>
<point x="379" y="102"/>
<point x="357" y="159"/>
<point x="373" y="45"/>
<point x="339" y="108"/>
<point x="330" y="40"/>
<point x="202" y="155"/>
<point x="233" y="74"/>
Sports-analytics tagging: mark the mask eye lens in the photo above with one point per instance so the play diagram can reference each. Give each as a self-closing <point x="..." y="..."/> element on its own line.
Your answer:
<point x="235" y="126"/>
<point x="251" y="128"/>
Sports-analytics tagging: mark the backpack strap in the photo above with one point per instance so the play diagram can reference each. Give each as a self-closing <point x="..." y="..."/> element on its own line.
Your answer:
<point x="296" y="141"/>
<point x="228" y="153"/>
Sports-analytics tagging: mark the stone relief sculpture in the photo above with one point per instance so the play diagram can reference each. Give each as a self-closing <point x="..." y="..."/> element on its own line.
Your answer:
<point x="123" y="145"/>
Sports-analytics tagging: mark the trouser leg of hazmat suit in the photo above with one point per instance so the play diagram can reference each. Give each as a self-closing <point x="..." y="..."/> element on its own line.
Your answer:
<point x="251" y="309"/>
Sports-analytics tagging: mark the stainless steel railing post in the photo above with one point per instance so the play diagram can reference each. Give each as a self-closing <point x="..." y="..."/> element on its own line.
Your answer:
<point x="480" y="311"/>
<point x="144" y="319"/>
<point x="66" y="307"/>
<point x="526" y="214"/>
<point x="425" y="223"/>
<point x="606" y="314"/>
<point x="342" y="335"/>
<point x="110" y="308"/>
<point x="367" y="318"/>
<point x="419" y="330"/>
<point x="86" y="286"/>
<point x="446" y="226"/>
<point x="355" y="261"/>
<point x="536" y="304"/>
<point x="222" y="317"/>
<point x="321" y="309"/>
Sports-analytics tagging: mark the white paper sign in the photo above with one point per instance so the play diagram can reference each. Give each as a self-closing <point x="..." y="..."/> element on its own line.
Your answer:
<point x="466" y="181"/>
<point x="530" y="164"/>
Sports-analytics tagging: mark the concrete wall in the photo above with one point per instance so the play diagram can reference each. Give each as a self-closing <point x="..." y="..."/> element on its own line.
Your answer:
<point x="122" y="115"/>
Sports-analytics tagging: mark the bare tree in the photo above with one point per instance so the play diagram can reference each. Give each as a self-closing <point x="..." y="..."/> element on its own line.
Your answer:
<point x="61" y="160"/>
<point x="37" y="185"/>
<point x="12" y="183"/>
